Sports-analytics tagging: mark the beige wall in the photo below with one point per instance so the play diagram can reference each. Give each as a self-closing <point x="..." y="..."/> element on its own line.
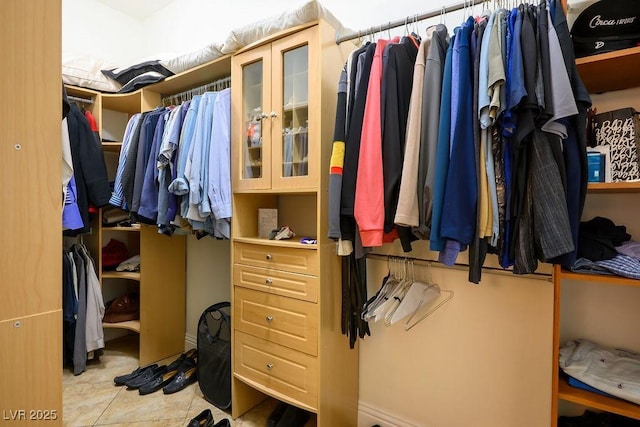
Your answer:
<point x="482" y="359"/>
<point x="208" y="279"/>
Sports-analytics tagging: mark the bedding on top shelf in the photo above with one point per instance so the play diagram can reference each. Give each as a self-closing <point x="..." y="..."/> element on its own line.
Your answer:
<point x="84" y="71"/>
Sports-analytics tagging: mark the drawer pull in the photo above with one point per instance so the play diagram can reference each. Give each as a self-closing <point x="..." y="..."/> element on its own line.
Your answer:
<point x="269" y="319"/>
<point x="268" y="281"/>
<point x="269" y="366"/>
<point x="269" y="257"/>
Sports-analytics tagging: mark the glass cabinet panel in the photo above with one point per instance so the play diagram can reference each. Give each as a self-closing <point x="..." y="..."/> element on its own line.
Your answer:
<point x="295" y="112"/>
<point x="252" y="82"/>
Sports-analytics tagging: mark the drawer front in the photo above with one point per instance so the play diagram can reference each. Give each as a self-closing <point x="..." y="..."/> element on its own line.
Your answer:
<point x="292" y="285"/>
<point x="277" y="368"/>
<point x="285" y="321"/>
<point x="304" y="261"/>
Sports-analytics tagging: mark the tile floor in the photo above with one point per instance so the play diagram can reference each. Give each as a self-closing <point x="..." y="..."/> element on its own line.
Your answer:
<point x="92" y="399"/>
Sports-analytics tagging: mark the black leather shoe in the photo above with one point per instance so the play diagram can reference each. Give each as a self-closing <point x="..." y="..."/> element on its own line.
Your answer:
<point x="184" y="356"/>
<point x="122" y="379"/>
<point x="203" y="419"/>
<point x="223" y="423"/>
<point x="187" y="374"/>
<point x="145" y="377"/>
<point x="160" y="380"/>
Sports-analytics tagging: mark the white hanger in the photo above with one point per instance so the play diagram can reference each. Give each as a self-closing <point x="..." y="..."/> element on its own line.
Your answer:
<point x="392" y="280"/>
<point x="425" y="300"/>
<point x="399" y="296"/>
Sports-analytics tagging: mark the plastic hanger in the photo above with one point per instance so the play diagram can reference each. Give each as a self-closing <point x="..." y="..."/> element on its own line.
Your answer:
<point x="392" y="279"/>
<point x="426" y="300"/>
<point x="398" y="309"/>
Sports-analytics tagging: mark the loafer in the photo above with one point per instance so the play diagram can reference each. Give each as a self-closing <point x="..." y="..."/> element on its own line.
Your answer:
<point x="203" y="419"/>
<point x="121" y="379"/>
<point x="223" y="423"/>
<point x="192" y="353"/>
<point x="160" y="380"/>
<point x="187" y="374"/>
<point x="145" y="377"/>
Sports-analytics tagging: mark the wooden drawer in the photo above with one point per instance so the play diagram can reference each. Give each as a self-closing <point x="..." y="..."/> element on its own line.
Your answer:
<point x="276" y="368"/>
<point x="304" y="261"/>
<point x="293" y="285"/>
<point x="285" y="321"/>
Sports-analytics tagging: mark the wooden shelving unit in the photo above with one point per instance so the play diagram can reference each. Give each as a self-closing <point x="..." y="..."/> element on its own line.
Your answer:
<point x="130" y="325"/>
<point x="597" y="401"/>
<point x="561" y="389"/>
<point x="610" y="71"/>
<point x="121" y="275"/>
<point x="614" y="187"/>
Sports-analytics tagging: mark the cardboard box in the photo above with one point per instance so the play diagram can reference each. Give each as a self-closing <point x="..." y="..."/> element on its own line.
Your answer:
<point x="267" y="221"/>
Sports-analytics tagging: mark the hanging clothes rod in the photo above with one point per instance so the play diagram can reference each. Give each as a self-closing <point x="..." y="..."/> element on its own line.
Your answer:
<point x="186" y="95"/>
<point x="462" y="267"/>
<point x="78" y="99"/>
<point x="408" y="20"/>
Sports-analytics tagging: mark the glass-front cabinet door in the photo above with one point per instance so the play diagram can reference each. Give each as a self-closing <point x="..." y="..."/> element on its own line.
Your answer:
<point x="294" y="116"/>
<point x="252" y="125"/>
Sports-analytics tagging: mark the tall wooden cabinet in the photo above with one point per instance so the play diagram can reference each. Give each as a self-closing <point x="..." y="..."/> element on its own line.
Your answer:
<point x="30" y="265"/>
<point x="624" y="65"/>
<point x="287" y="341"/>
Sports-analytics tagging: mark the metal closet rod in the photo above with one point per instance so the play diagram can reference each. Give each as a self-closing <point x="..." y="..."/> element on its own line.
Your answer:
<point x="462" y="267"/>
<point x="408" y="20"/>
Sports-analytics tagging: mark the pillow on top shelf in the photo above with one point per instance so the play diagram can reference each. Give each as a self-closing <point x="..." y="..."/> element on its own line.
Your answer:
<point x="138" y="75"/>
<point x="84" y="71"/>
<point x="141" y="80"/>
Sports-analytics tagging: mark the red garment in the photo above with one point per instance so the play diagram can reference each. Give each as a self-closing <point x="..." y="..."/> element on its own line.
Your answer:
<point x="91" y="120"/>
<point x="369" y="198"/>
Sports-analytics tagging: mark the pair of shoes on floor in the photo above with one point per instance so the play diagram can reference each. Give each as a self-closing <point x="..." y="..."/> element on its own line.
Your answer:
<point x="172" y="379"/>
<point x="285" y="415"/>
<point x="123" y="379"/>
<point x="205" y="419"/>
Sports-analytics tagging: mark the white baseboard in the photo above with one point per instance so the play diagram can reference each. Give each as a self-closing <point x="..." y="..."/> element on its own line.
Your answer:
<point x="368" y="415"/>
<point x="190" y="341"/>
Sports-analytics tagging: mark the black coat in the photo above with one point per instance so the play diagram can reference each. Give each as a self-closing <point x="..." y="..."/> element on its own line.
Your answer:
<point x="88" y="168"/>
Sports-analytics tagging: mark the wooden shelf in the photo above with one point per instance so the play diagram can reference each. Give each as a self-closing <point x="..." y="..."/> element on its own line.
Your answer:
<point x="293" y="243"/>
<point x="614" y="187"/>
<point x="194" y="77"/>
<point x="124" y="102"/>
<point x="597" y="401"/>
<point x="121" y="275"/>
<point x="113" y="147"/>
<point x="610" y="71"/>
<point x="585" y="277"/>
<point x="134" y="227"/>
<point x="131" y="325"/>
<point x="81" y="92"/>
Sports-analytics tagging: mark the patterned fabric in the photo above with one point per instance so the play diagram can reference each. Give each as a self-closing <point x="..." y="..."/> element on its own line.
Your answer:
<point x="622" y="265"/>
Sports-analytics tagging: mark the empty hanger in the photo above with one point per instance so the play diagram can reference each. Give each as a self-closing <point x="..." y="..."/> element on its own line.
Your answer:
<point x="427" y="298"/>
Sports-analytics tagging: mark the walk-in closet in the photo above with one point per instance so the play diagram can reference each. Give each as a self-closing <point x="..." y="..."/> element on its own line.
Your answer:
<point x="320" y="213"/>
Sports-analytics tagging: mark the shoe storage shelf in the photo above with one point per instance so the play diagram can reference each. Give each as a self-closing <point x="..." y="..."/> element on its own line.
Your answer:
<point x="581" y="299"/>
<point x="160" y="283"/>
<point x="287" y="341"/>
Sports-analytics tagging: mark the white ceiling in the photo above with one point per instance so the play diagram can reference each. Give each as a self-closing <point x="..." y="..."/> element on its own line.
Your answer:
<point x="139" y="9"/>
